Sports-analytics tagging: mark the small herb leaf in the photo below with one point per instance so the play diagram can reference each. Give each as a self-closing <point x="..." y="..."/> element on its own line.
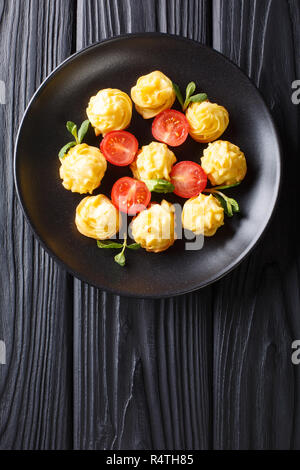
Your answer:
<point x="229" y="204"/>
<point x="108" y="244"/>
<point x="120" y="259"/>
<point x="225" y="204"/>
<point x="178" y="93"/>
<point x="229" y="210"/>
<point x="222" y="202"/>
<point x="72" y="128"/>
<point x="190" y="90"/>
<point x="189" y="97"/>
<point x="65" y="149"/>
<point x="134" y="246"/>
<point x="198" y="98"/>
<point x="234" y="205"/>
<point x="83" y="130"/>
<point x="160" y="186"/>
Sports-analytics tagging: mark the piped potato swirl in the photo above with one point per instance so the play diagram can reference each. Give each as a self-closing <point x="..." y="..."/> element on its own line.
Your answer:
<point x="208" y="121"/>
<point x="153" y="161"/>
<point x="203" y="215"/>
<point x="154" y="228"/>
<point x="109" y="110"/>
<point x="224" y="163"/>
<point x="82" y="169"/>
<point x="97" y="217"/>
<point x="152" y="94"/>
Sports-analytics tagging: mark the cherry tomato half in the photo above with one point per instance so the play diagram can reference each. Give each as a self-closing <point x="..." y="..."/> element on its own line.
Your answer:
<point x="130" y="196"/>
<point x="119" y="147"/>
<point x="170" y="127"/>
<point x="189" y="179"/>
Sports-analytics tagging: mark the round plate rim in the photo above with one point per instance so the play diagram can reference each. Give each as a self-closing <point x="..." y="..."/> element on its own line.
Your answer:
<point x="210" y="280"/>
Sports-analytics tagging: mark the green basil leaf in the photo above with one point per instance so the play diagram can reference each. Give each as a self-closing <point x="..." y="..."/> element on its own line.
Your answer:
<point x="72" y="128"/>
<point x="224" y="203"/>
<point x="190" y="90"/>
<point x="151" y="184"/>
<point x="229" y="208"/>
<point x="198" y="98"/>
<point x="65" y="149"/>
<point x="234" y="204"/>
<point x="108" y="244"/>
<point x="83" y="130"/>
<point x="178" y="93"/>
<point x="160" y="186"/>
<point x="120" y="259"/>
<point x="134" y="246"/>
<point x="221" y="201"/>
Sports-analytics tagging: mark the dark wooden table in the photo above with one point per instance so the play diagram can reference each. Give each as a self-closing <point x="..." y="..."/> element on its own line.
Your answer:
<point x="212" y="369"/>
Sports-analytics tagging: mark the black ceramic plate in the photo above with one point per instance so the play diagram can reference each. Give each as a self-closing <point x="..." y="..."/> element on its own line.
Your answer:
<point x="117" y="63"/>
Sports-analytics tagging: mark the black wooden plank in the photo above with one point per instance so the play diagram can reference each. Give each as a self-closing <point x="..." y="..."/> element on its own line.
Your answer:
<point x="35" y="320"/>
<point x="142" y="369"/>
<point x="256" y="310"/>
<point x="100" y="19"/>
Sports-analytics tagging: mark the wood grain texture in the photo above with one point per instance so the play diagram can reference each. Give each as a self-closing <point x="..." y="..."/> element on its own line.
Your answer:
<point x="256" y="309"/>
<point x="142" y="369"/>
<point x="142" y="372"/>
<point x="101" y="19"/>
<point x="35" y="296"/>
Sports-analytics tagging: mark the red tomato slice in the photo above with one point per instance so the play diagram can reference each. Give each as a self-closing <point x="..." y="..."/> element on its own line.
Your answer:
<point x="189" y="179"/>
<point x="170" y="127"/>
<point x="130" y="196"/>
<point x="119" y="147"/>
